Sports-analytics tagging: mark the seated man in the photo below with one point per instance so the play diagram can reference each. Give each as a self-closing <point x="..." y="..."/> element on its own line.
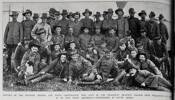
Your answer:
<point x="31" y="55"/>
<point x="80" y="69"/>
<point x="145" y="78"/>
<point x="146" y="64"/>
<point x="107" y="67"/>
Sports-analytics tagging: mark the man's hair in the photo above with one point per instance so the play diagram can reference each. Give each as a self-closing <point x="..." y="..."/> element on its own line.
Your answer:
<point x="30" y="63"/>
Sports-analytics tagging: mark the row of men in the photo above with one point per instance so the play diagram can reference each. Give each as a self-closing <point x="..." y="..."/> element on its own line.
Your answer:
<point x="126" y="67"/>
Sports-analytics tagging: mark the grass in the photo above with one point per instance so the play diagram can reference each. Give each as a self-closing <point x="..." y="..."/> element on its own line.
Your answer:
<point x="56" y="85"/>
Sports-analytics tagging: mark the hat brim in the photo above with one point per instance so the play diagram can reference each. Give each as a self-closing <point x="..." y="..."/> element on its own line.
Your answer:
<point x="118" y="11"/>
<point x="141" y="13"/>
<point x="27" y="13"/>
<point x="90" y="13"/>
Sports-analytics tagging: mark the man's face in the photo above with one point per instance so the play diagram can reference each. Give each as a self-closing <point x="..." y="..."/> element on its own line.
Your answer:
<point x="86" y="14"/>
<point x="120" y="13"/>
<point x="26" y="44"/>
<point x="44" y="20"/>
<point x="76" y="16"/>
<point x="132" y="71"/>
<point x="110" y="15"/>
<point x="28" y="16"/>
<point x="143" y="16"/>
<point x="97" y="30"/>
<point x="75" y="57"/>
<point x="132" y="14"/>
<point x="34" y="49"/>
<point x="108" y="55"/>
<point x="72" y="45"/>
<point x="143" y="34"/>
<point x="86" y="30"/>
<point x="122" y="47"/>
<point x="63" y="58"/>
<point x="133" y="54"/>
<point x="58" y="30"/>
<point x="112" y="32"/>
<point x="15" y="17"/>
<point x="70" y="30"/>
<point x="142" y="58"/>
<point x="57" y="47"/>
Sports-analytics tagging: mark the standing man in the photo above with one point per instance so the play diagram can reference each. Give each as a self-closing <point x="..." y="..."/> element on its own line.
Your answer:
<point x="76" y="24"/>
<point x="163" y="29"/>
<point x="28" y="25"/>
<point x="40" y="26"/>
<point x="12" y="36"/>
<point x="122" y="23"/>
<point x="152" y="27"/>
<point x="134" y="25"/>
<point x="35" y="18"/>
<point x="142" y="15"/>
<point x="87" y="22"/>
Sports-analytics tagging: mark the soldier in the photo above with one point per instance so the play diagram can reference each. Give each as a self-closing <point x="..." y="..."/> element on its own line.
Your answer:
<point x="76" y="24"/>
<point x="69" y="37"/>
<point x="41" y="26"/>
<point x="98" y="37"/>
<point x="35" y="18"/>
<point x="148" y="65"/>
<point x="31" y="55"/>
<point x="163" y="29"/>
<point x="27" y="24"/>
<point x="107" y="67"/>
<point x="159" y="55"/>
<point x="51" y="18"/>
<point x="143" y="21"/>
<point x="70" y="17"/>
<point x="87" y="22"/>
<point x="109" y="21"/>
<point x="97" y="22"/>
<point x="112" y="40"/>
<point x="64" y="22"/>
<point x="134" y="24"/>
<point x="57" y="37"/>
<point x="152" y="27"/>
<point x="122" y="23"/>
<point x="145" y="78"/>
<point x="12" y="36"/>
<point x="84" y="38"/>
<point x="80" y="69"/>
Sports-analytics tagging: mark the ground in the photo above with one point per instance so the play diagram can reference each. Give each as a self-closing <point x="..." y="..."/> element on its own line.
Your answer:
<point x="56" y="85"/>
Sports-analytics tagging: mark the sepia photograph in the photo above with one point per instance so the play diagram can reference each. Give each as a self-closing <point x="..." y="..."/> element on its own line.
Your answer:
<point x="86" y="45"/>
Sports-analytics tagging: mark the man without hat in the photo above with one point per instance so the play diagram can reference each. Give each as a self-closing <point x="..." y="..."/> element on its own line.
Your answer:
<point x="12" y="36"/>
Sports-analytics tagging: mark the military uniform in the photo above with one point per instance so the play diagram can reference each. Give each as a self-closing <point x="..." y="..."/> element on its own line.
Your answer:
<point x="27" y="28"/>
<point x="79" y="68"/>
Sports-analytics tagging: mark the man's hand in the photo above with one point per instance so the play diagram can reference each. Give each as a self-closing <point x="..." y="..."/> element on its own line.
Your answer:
<point x="143" y="84"/>
<point x="99" y="77"/>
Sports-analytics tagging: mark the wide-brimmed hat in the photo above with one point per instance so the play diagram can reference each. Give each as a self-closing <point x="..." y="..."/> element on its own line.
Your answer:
<point x="57" y="13"/>
<point x="70" y="14"/>
<point x="44" y="16"/>
<point x="98" y="14"/>
<point x="27" y="12"/>
<point x="76" y="13"/>
<point x="119" y="9"/>
<point x="34" y="43"/>
<point x="142" y="12"/>
<point x="52" y="10"/>
<point x="132" y="11"/>
<point x="152" y="14"/>
<point x="64" y="12"/>
<point x="161" y="17"/>
<point x="87" y="11"/>
<point x="110" y="10"/>
<point x="35" y="15"/>
<point x="14" y="13"/>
